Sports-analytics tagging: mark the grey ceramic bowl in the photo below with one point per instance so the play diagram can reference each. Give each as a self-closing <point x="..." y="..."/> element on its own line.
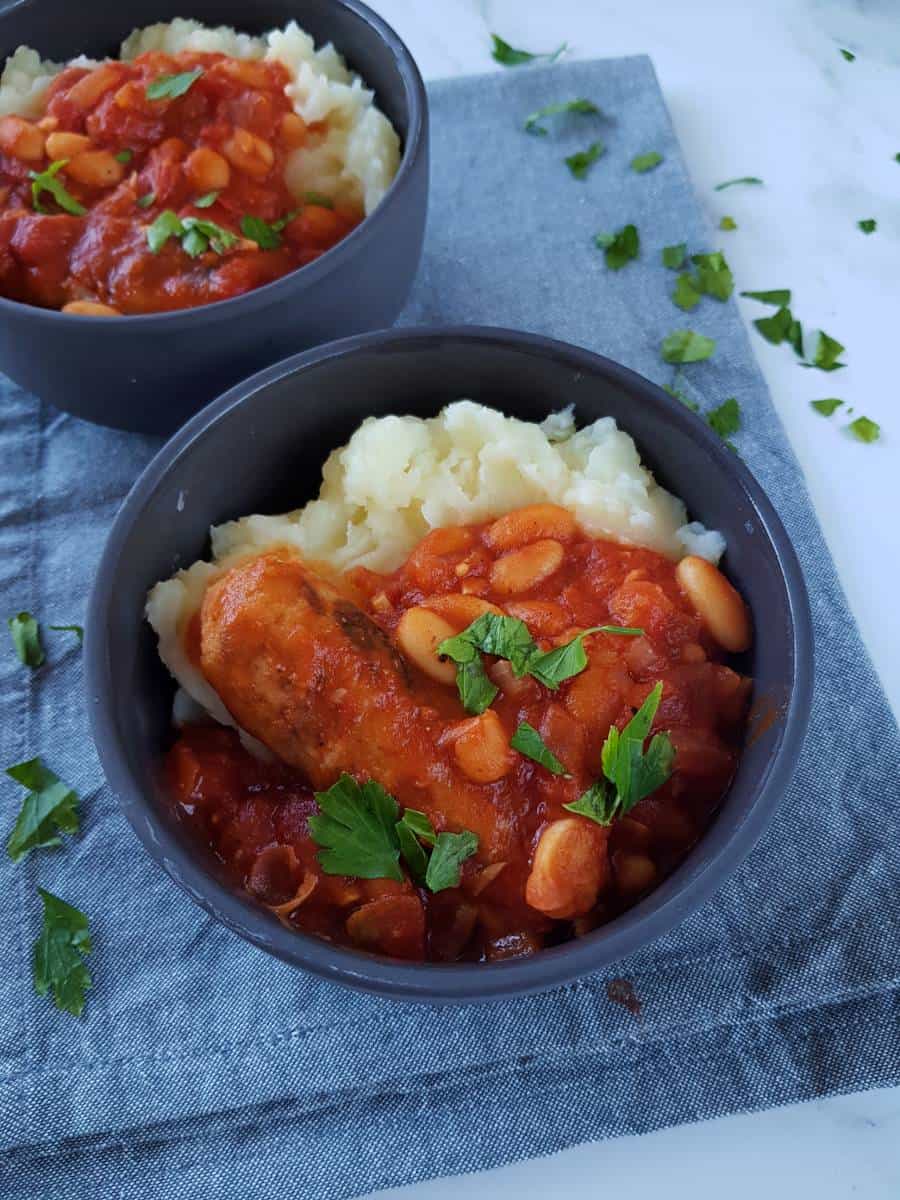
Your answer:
<point x="149" y="373"/>
<point x="274" y="432"/>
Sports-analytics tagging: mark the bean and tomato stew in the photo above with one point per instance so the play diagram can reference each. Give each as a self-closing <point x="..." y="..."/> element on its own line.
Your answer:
<point x="157" y="184"/>
<point x="481" y="696"/>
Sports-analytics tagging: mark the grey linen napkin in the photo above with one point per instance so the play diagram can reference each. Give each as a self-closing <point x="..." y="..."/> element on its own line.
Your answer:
<point x="203" y="1068"/>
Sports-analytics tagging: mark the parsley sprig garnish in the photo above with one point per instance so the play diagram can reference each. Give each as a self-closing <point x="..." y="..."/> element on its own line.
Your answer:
<point x="168" y="87"/>
<point x="49" y="810"/>
<point x="529" y="742"/>
<point x="58" y="953"/>
<point x="46" y="181"/>
<point x="267" y="235"/>
<point x="509" y="638"/>
<point x="363" y="834"/>
<point x="508" y="56"/>
<point x="196" y="234"/>
<point x="629" y="772"/>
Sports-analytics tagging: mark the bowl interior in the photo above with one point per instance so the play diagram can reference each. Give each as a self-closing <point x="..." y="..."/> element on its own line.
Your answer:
<point x="60" y="30"/>
<point x="261" y="448"/>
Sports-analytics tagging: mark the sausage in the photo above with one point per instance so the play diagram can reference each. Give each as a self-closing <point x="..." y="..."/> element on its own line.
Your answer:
<point x="302" y="668"/>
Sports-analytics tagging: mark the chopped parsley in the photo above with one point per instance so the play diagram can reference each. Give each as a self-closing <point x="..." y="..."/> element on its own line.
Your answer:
<point x="508" y="56"/>
<point x="781" y="327"/>
<point x="826" y="407"/>
<point x="848" y="55"/>
<point x="196" y="234"/>
<point x="529" y="742"/>
<point x="725" y="420"/>
<point x="207" y="200"/>
<point x="580" y="106"/>
<point x="26" y="637"/>
<point x="146" y="200"/>
<point x="629" y="772"/>
<point x="686" y="295"/>
<point x="684" y="346"/>
<point x="620" y="247"/>
<point x="827" y="352"/>
<point x="581" y="161"/>
<point x="713" y="276"/>
<point x="781" y="297"/>
<point x="355" y="828"/>
<point x="267" y="236"/>
<point x="319" y="199"/>
<point x="728" y="224"/>
<point x="78" y="630"/>
<point x="646" y="162"/>
<point x="124" y="156"/>
<point x="168" y="87"/>
<point x="58" y="952"/>
<point x="673" y="256"/>
<point x="865" y="430"/>
<point x="508" y="637"/>
<point x="720" y="187"/>
<point x="49" y="809"/>
<point x="46" y="181"/>
<point x="476" y="691"/>
<point x="869" y="225"/>
<point x="362" y="833"/>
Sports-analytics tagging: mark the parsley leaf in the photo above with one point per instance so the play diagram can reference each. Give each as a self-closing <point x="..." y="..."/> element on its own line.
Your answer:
<point x="411" y="848"/>
<point x="632" y="772"/>
<point x="684" y="346"/>
<point x="49" y="809"/>
<point x="686" y="295"/>
<point x="865" y="430"/>
<point x="168" y="87"/>
<point x="848" y="54"/>
<point x="207" y="200"/>
<point x="167" y="224"/>
<point x="777" y="328"/>
<point x="124" y="156"/>
<point x="476" y="691"/>
<point x="529" y="742"/>
<point x="828" y="351"/>
<point x="46" y="181"/>
<point x="781" y="297"/>
<point x="728" y="223"/>
<point x="725" y="419"/>
<point x="720" y="187"/>
<point x="508" y="56"/>
<point x="57" y="964"/>
<point x="713" y="275"/>
<point x="869" y="225"/>
<point x="583" y="107"/>
<point x="147" y="200"/>
<point x="826" y="407"/>
<point x="319" y="199"/>
<point x="267" y="236"/>
<point x="419" y="824"/>
<point x="582" y="161"/>
<point x="26" y="637"/>
<point x="673" y="256"/>
<point x="217" y="238"/>
<point x="355" y="827"/>
<point x="646" y="162"/>
<point x="508" y="637"/>
<point x="76" y="629"/>
<point x="553" y="667"/>
<point x="620" y="247"/>
<point x="449" y="853"/>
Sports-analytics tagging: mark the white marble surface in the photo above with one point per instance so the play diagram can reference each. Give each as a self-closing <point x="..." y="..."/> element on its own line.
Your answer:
<point x="758" y="89"/>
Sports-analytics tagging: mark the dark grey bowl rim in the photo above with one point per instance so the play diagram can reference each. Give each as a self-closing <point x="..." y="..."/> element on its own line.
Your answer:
<point x="310" y="274"/>
<point x="678" y="896"/>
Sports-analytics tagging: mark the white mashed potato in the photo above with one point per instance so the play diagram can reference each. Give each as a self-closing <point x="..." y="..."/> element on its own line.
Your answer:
<point x="399" y="477"/>
<point x="353" y="159"/>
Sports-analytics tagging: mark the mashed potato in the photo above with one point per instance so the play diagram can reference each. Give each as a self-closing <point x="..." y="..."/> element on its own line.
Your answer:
<point x="399" y="477"/>
<point x="352" y="158"/>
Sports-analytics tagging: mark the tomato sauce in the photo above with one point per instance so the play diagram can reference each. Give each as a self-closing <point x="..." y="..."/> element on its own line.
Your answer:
<point x="215" y="153"/>
<point x="253" y="815"/>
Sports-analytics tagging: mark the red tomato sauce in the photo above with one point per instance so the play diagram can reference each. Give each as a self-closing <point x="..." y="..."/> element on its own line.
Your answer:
<point x="128" y="158"/>
<point x="253" y="815"/>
